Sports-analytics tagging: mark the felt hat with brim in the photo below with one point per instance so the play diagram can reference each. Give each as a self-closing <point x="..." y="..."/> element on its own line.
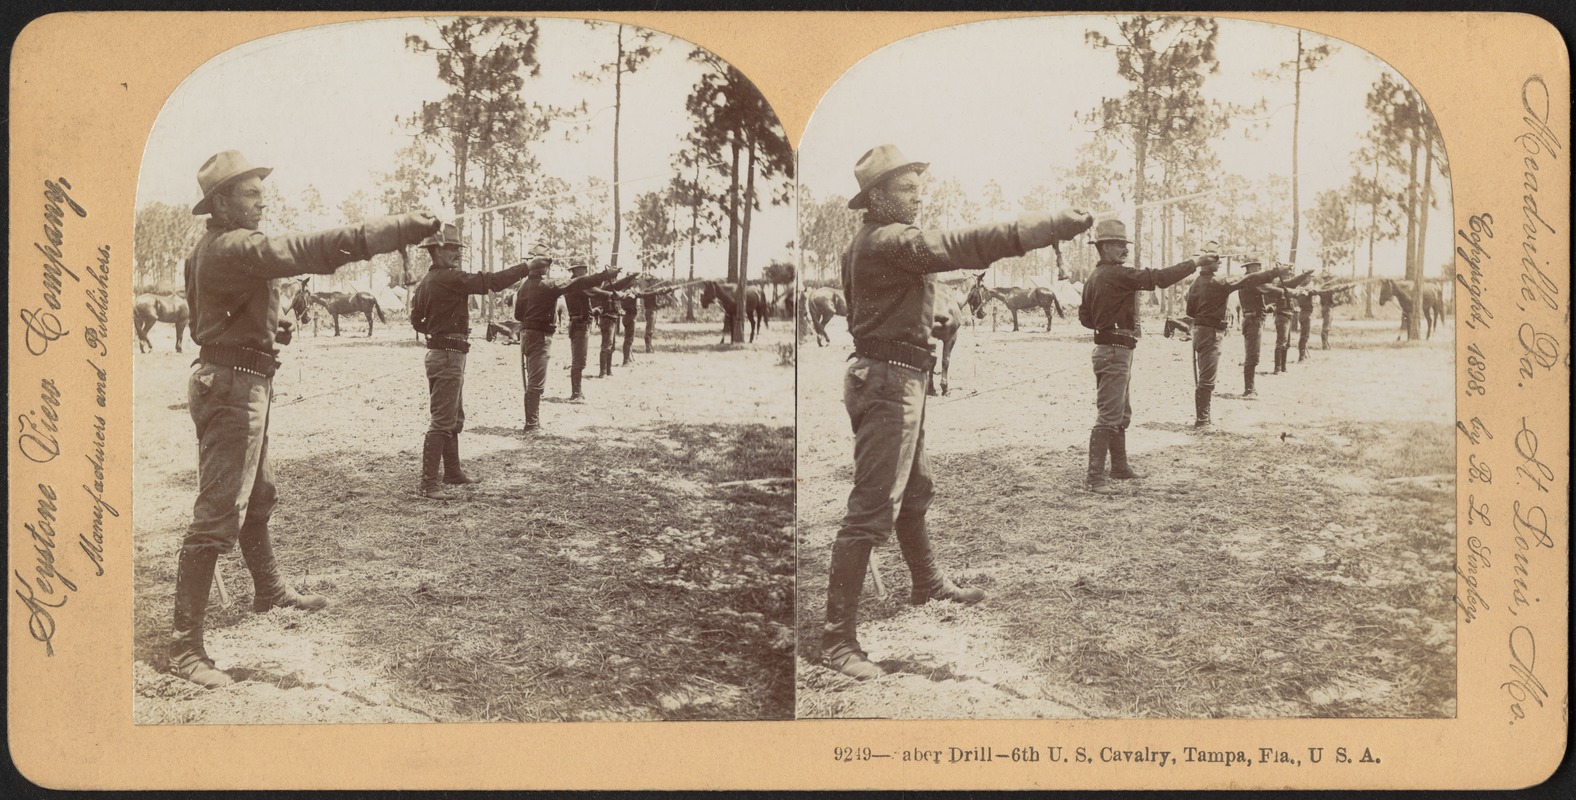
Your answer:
<point x="1252" y="264"/>
<point x="1111" y="230"/>
<point x="220" y="170"/>
<point x="876" y="166"/>
<point x="446" y="236"/>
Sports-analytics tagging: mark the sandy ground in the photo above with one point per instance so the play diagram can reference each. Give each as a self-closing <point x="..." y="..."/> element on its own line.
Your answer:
<point x="1295" y="560"/>
<point x="431" y="619"/>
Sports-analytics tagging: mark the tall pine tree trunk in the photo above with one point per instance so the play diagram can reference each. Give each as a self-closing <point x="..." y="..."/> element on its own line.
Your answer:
<point x="733" y="212"/>
<point x="1411" y="232"/>
<point x="689" y="294"/>
<point x="1422" y="228"/>
<point x="1296" y="130"/>
<point x="618" y="111"/>
<point x="1373" y="230"/>
<point x="740" y="295"/>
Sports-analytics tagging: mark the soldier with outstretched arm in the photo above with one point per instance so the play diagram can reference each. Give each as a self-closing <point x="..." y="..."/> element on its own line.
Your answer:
<point x="1206" y="305"/>
<point x="441" y="309"/>
<point x="1278" y="294"/>
<point x="887" y="276"/>
<point x="578" y="304"/>
<point x="1110" y="309"/>
<point x="1304" y="300"/>
<point x="234" y="301"/>
<point x="535" y="307"/>
<point x="604" y="304"/>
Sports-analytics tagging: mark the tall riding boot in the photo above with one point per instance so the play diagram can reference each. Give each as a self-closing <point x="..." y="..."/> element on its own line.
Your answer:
<point x="1201" y="400"/>
<point x="188" y="658"/>
<point x="533" y="412"/>
<point x="1120" y="469"/>
<point x="1247" y="381"/>
<point x="1099" y="444"/>
<point x="628" y="344"/>
<point x="270" y="590"/>
<point x="431" y="459"/>
<point x="575" y="394"/>
<point x="840" y="649"/>
<point x="1302" y="352"/>
<point x="451" y="462"/>
<point x="929" y="582"/>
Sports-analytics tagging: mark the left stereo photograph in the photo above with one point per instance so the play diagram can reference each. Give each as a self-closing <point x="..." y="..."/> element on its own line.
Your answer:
<point x="377" y="477"/>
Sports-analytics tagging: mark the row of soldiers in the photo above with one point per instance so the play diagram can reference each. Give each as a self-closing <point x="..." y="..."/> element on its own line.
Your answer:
<point x="1276" y="294"/>
<point x="440" y="309"/>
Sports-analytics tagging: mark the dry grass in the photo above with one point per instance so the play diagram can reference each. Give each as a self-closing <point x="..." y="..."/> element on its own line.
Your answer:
<point x="586" y="579"/>
<point x="1243" y="579"/>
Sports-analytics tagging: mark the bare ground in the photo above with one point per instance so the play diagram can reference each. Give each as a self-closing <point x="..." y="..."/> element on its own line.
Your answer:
<point x="599" y="572"/>
<point x="1294" y="561"/>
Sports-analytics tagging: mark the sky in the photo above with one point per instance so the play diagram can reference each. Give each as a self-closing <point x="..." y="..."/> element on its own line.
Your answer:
<point x="321" y="106"/>
<point x="996" y="100"/>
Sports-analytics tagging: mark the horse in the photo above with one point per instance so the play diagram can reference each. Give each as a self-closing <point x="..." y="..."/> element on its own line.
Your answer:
<point x="755" y="309"/>
<point x="823" y="304"/>
<point x="337" y="303"/>
<point x="1433" y="304"/>
<point x="1018" y="299"/>
<point x="293" y="300"/>
<point x="151" y="308"/>
<point x="950" y="305"/>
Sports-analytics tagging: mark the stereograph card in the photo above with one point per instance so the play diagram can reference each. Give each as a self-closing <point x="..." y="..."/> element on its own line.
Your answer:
<point x="312" y="484"/>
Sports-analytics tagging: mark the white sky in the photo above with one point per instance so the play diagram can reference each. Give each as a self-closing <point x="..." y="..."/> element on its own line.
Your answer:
<point x="320" y="107"/>
<point x="996" y="100"/>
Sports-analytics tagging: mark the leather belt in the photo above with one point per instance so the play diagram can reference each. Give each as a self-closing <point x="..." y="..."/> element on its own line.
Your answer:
<point x="1211" y="323"/>
<point x="452" y="342"/>
<point x="1116" y="338"/>
<point x="899" y="353"/>
<point x="246" y="359"/>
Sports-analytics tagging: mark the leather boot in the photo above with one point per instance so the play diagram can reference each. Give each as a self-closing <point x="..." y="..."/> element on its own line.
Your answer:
<point x="1201" y="399"/>
<point x="575" y="395"/>
<point x="431" y="459"/>
<point x="188" y="658"/>
<point x="1099" y="444"/>
<point x="929" y="582"/>
<point x="533" y="412"/>
<point x="1120" y="469"/>
<point x="1247" y="382"/>
<point x="840" y="649"/>
<point x="451" y="462"/>
<point x="270" y="590"/>
<point x="1302" y="353"/>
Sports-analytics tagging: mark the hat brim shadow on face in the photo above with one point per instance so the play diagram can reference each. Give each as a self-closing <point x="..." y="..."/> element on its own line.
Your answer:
<point x="205" y="205"/>
<point x="861" y="201"/>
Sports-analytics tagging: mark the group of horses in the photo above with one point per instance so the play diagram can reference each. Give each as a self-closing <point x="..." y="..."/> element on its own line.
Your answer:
<point x="151" y="308"/>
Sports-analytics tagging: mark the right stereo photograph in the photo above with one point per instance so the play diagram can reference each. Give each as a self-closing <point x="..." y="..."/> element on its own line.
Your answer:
<point x="1125" y="379"/>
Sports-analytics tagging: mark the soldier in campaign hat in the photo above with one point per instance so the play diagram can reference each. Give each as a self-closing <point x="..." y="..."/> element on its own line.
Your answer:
<point x="234" y="300"/>
<point x="440" y="308"/>
<point x="887" y="276"/>
<point x="535" y="308"/>
<point x="578" y="303"/>
<point x="1110" y="309"/>
<point x="1206" y="305"/>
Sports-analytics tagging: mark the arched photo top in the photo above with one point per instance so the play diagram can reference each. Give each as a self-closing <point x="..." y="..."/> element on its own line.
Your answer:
<point x="511" y="118"/>
<point x="1272" y="140"/>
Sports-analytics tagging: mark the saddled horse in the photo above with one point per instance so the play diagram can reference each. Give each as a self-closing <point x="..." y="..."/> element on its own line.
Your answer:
<point x="1433" y="304"/>
<point x="1019" y="299"/>
<point x="148" y="309"/>
<point x="952" y="303"/>
<point x="823" y="304"/>
<point x="755" y="308"/>
<point x="336" y="304"/>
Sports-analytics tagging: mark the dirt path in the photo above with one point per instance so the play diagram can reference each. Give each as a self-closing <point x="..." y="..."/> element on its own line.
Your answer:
<point x="1293" y="561"/>
<point x="598" y="572"/>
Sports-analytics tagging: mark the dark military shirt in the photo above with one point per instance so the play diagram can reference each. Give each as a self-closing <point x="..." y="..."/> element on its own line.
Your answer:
<point x="1304" y="301"/>
<point x="230" y="277"/>
<point x="446" y="292"/>
<point x="579" y="301"/>
<point x="536" y="305"/>
<point x="1111" y="291"/>
<point x="600" y="301"/>
<point x="1253" y="302"/>
<point x="1206" y="299"/>
<point x="887" y="273"/>
<point x="1278" y="298"/>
